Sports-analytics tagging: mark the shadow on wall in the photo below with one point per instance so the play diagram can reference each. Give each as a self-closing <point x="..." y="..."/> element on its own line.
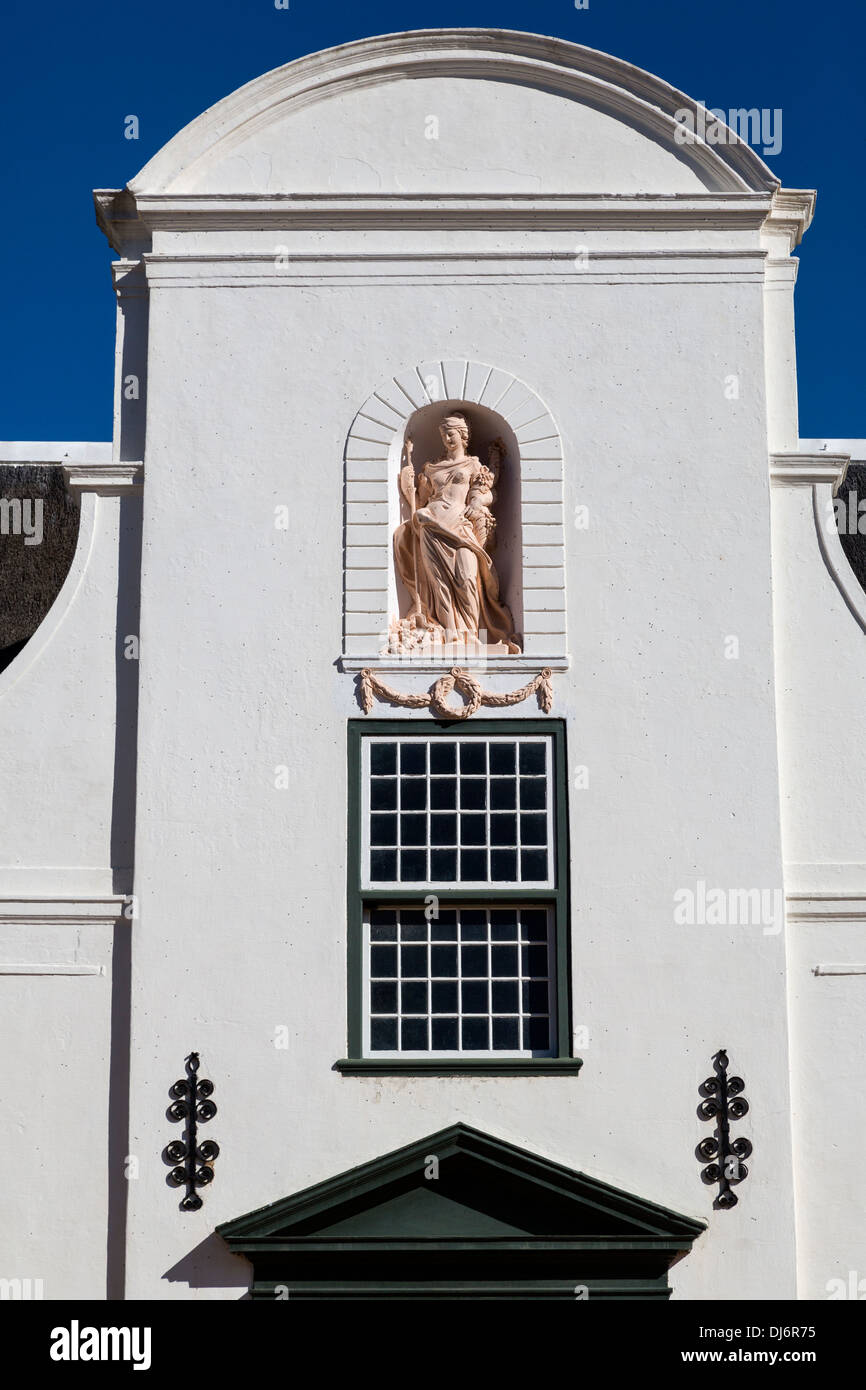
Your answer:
<point x="211" y="1265"/>
<point x="122" y="858"/>
<point x="39" y="522"/>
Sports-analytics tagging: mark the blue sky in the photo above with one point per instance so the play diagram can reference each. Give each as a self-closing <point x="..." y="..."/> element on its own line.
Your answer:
<point x="72" y="73"/>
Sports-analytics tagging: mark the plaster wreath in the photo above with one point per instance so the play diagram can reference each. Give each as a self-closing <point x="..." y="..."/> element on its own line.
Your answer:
<point x="457" y="678"/>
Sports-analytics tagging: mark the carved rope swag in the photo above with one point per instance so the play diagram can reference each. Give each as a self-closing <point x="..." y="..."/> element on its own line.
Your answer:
<point x="369" y="685"/>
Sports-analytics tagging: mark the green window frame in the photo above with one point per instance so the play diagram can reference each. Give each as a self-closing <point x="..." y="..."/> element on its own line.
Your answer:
<point x="366" y="897"/>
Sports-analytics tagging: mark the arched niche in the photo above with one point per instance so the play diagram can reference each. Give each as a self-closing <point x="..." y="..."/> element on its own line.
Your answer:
<point x="485" y="425"/>
<point x="528" y="508"/>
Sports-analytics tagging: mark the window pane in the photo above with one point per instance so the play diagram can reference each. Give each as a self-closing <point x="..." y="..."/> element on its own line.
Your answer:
<point x="413" y="865"/>
<point x="503" y="830"/>
<point x="533" y="794"/>
<point x="383" y="1035"/>
<point x="504" y="960"/>
<point x="473" y="756"/>
<point x="532" y="759"/>
<point x="533" y="830"/>
<point x="443" y="866"/>
<point x="473" y="830"/>
<point x="533" y="924"/>
<point x="413" y="931"/>
<point x="383" y="830"/>
<point x="503" y="924"/>
<point x="384" y="917"/>
<point x="475" y="996"/>
<point x="383" y="794"/>
<point x="503" y="865"/>
<point x="383" y="961"/>
<point x="443" y="960"/>
<point x="443" y="829"/>
<point x="506" y="1033"/>
<point x="445" y="1034"/>
<point x="503" y="758"/>
<point x="536" y="1034"/>
<point x="473" y="960"/>
<point x="413" y="1035"/>
<point x="503" y="794"/>
<point x="473" y="926"/>
<point x="413" y="997"/>
<point x="443" y="793"/>
<point x="383" y="865"/>
<point x="533" y="865"/>
<point x="413" y="794"/>
<point x="413" y="830"/>
<point x="413" y="757"/>
<point x="473" y="865"/>
<point x="489" y="994"/>
<point x="383" y="758"/>
<point x="383" y="998"/>
<point x="443" y="757"/>
<point x="476" y="1035"/>
<point x="473" y="917"/>
<point x="444" y="925"/>
<point x="413" y="961"/>
<point x="443" y="995"/>
<point x="473" y="794"/>
<point x="506" y="997"/>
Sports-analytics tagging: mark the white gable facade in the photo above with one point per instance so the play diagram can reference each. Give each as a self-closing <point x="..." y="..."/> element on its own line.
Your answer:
<point x="328" y="262"/>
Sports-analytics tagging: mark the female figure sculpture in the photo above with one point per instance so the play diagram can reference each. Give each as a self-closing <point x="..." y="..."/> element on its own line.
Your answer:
<point x="442" y="552"/>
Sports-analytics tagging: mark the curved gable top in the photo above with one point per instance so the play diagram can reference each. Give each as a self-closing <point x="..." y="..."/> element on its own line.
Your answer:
<point x="393" y="113"/>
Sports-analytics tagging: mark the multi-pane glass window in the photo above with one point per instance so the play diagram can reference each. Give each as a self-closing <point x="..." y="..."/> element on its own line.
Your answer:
<point x="446" y="811"/>
<point x="459" y="867"/>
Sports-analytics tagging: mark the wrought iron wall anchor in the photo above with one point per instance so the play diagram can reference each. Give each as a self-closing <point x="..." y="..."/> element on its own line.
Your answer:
<point x="724" y="1102"/>
<point x="191" y="1102"/>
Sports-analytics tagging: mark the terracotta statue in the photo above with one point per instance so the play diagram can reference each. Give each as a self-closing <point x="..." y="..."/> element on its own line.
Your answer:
<point x="442" y="553"/>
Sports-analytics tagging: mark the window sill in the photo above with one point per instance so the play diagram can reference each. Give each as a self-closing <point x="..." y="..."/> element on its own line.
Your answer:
<point x="487" y="1066"/>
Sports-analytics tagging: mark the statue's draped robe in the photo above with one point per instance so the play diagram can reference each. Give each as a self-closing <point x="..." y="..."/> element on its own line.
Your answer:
<point x="438" y="558"/>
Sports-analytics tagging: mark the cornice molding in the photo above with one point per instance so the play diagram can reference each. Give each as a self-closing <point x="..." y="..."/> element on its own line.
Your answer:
<point x="52" y="968"/>
<point x="107" y="479"/>
<point x="539" y="212"/>
<point x="826" y="907"/>
<point x="484" y="265"/>
<point x="791" y="214"/>
<point x="66" y="911"/>
<point x="490" y="665"/>
<point x="129" y="223"/>
<point x="807" y="470"/>
<point x="839" y="969"/>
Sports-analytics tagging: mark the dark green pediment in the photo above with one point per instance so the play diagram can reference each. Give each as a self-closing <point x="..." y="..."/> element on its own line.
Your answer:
<point x="460" y="1214"/>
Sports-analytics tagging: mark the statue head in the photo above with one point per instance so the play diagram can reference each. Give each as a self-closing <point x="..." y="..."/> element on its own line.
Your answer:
<point x="453" y="428"/>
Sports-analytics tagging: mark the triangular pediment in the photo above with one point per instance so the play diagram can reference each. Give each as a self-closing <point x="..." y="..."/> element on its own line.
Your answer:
<point x="462" y="1193"/>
